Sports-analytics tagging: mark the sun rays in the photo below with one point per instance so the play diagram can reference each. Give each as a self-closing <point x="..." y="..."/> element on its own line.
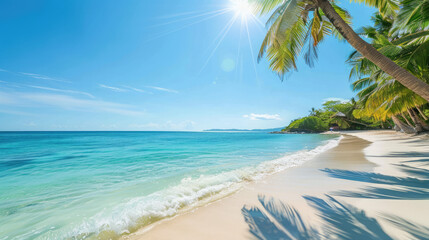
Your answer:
<point x="242" y="8"/>
<point x="240" y="11"/>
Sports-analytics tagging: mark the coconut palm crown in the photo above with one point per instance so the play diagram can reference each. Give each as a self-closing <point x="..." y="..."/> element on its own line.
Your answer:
<point x="381" y="96"/>
<point x="296" y="27"/>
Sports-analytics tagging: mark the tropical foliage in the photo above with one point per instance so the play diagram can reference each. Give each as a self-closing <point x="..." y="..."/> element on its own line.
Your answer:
<point x="296" y="27"/>
<point x="381" y="96"/>
<point x="338" y="114"/>
<point x="308" y="124"/>
<point x="389" y="71"/>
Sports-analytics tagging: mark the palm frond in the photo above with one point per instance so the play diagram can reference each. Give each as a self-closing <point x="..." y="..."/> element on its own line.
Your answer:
<point x="413" y="16"/>
<point x="291" y="30"/>
<point x="266" y="6"/>
<point x="283" y="18"/>
<point x="412" y="37"/>
<point x="385" y="7"/>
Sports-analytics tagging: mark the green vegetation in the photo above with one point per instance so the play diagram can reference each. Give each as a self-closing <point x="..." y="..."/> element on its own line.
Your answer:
<point x="335" y="114"/>
<point x="403" y="36"/>
<point x="390" y="72"/>
<point x="302" y="24"/>
<point x="307" y="124"/>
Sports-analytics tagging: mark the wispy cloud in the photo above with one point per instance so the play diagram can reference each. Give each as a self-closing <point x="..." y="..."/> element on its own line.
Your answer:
<point x="35" y="76"/>
<point x="43" y="77"/>
<point x="115" y="89"/>
<point x="336" y="99"/>
<point x="21" y="99"/>
<point x="254" y="116"/>
<point x="137" y="89"/>
<point x="62" y="90"/>
<point x="128" y="88"/>
<point x="163" y="89"/>
<point x="7" y="99"/>
<point x="17" y="85"/>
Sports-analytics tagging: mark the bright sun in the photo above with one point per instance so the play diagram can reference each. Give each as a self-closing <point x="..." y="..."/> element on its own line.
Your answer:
<point x="242" y="7"/>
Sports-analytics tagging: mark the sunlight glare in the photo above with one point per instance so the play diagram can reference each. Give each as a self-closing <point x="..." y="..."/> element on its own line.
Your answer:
<point x="242" y="8"/>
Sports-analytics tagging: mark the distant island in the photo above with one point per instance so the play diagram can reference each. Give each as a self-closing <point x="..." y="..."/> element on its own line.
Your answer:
<point x="244" y="130"/>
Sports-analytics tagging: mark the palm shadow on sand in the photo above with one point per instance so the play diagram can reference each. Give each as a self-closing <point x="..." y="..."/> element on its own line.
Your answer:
<point x="287" y="222"/>
<point x="424" y="157"/>
<point x="391" y="187"/>
<point x="339" y="221"/>
<point x="276" y="220"/>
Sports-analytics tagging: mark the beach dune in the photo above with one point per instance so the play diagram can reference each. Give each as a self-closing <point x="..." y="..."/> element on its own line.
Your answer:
<point x="373" y="185"/>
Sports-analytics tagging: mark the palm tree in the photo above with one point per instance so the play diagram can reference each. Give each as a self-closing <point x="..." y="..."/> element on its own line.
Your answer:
<point x="422" y="113"/>
<point x="290" y="30"/>
<point x="313" y="112"/>
<point x="413" y="17"/>
<point x="402" y="126"/>
<point x="380" y="96"/>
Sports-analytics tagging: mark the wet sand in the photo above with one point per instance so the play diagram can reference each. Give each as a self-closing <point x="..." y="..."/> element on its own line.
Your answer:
<point x="370" y="186"/>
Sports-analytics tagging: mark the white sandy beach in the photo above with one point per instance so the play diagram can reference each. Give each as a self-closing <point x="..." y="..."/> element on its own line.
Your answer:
<point x="374" y="185"/>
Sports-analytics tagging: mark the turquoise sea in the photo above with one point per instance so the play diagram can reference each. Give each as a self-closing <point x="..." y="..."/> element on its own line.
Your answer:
<point x="84" y="185"/>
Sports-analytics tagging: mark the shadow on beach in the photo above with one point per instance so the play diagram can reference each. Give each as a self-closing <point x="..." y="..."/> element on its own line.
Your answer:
<point x="424" y="157"/>
<point x="339" y="220"/>
<point x="277" y="220"/>
<point x="422" y="162"/>
<point x="416" y="186"/>
<point x="405" y="188"/>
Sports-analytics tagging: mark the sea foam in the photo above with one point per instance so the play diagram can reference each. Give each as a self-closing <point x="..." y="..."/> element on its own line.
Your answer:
<point x="190" y="192"/>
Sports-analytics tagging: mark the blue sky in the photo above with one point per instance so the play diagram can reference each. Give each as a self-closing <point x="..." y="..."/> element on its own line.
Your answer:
<point x="152" y="65"/>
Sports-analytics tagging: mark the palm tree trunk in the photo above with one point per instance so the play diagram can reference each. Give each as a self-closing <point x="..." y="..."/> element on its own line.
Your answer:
<point x="419" y="127"/>
<point x="397" y="126"/>
<point x="402" y="126"/>
<point x="384" y="63"/>
<point x="363" y="124"/>
<point x="422" y="113"/>
<point x="424" y="125"/>
<point x="389" y="124"/>
<point x="406" y="119"/>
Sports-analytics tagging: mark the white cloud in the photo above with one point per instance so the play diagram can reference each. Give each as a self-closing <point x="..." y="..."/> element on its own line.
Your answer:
<point x="66" y="102"/>
<point x="35" y="75"/>
<point x="254" y="116"/>
<point x="336" y="99"/>
<point x="163" y="89"/>
<point x="62" y="90"/>
<point x="43" y="77"/>
<point x="138" y="89"/>
<point x="116" y="89"/>
<point x="128" y="88"/>
<point x="7" y="99"/>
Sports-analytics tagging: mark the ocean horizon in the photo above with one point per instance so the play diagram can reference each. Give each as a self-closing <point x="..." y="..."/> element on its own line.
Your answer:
<point x="102" y="184"/>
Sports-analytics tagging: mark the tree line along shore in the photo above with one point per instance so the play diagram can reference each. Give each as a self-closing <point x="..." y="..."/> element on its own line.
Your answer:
<point x="344" y="115"/>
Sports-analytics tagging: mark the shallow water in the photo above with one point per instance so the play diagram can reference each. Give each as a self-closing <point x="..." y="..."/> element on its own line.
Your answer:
<point x="56" y="185"/>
